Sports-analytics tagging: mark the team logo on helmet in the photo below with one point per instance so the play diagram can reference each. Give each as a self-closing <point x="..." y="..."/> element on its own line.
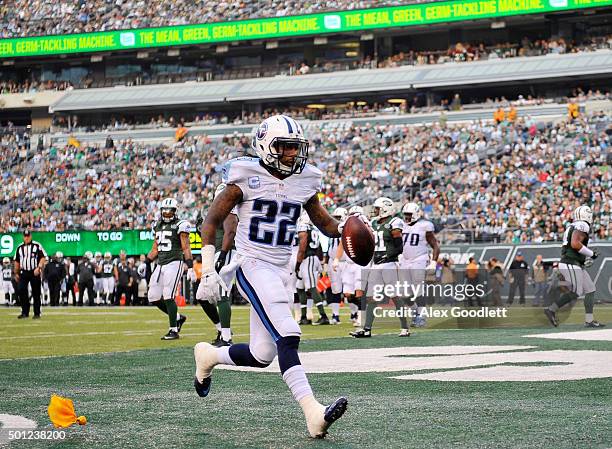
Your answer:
<point x="262" y="130"/>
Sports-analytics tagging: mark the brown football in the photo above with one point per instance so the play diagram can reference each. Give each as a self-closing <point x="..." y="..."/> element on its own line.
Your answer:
<point x="358" y="241"/>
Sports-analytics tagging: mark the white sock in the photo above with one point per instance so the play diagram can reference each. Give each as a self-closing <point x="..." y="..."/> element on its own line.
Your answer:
<point x="224" y="357"/>
<point x="359" y="315"/>
<point x="218" y="327"/>
<point x="309" y="304"/>
<point x="353" y="308"/>
<point x="226" y="333"/>
<point x="175" y="329"/>
<point x="178" y="315"/>
<point x="588" y="317"/>
<point x="295" y="378"/>
<point x="335" y="308"/>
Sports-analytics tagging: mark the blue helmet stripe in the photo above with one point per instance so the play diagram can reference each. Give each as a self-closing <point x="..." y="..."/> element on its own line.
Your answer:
<point x="298" y="128"/>
<point x="288" y="125"/>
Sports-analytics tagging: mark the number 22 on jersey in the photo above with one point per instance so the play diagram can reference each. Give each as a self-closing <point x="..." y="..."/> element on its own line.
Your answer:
<point x="283" y="217"/>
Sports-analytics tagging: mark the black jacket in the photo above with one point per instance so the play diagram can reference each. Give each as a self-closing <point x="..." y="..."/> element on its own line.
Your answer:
<point x="85" y="271"/>
<point x="55" y="271"/>
<point x="519" y="269"/>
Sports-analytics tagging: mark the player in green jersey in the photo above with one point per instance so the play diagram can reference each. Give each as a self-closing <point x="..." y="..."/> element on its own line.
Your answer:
<point x="172" y="250"/>
<point x="576" y="257"/>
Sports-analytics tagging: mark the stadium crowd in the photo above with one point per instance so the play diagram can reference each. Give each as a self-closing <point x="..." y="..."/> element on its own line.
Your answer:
<point x="459" y="52"/>
<point x="520" y="179"/>
<point x="348" y="110"/>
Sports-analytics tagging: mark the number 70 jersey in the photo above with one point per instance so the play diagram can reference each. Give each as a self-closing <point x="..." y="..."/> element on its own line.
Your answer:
<point x="415" y="241"/>
<point x="270" y="207"/>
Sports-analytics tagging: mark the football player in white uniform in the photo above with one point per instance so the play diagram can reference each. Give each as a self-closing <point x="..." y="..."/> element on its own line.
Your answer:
<point x="269" y="193"/>
<point x="417" y="234"/>
<point x="385" y="268"/>
<point x="351" y="278"/>
<point x="108" y="279"/>
<point x="171" y="249"/>
<point x="308" y="269"/>
<point x="7" y="281"/>
<point x="98" y="288"/>
<point x="334" y="269"/>
<point x="576" y="256"/>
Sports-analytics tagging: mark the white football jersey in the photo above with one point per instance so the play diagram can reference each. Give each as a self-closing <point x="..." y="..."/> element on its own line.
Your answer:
<point x="270" y="207"/>
<point x="415" y="243"/>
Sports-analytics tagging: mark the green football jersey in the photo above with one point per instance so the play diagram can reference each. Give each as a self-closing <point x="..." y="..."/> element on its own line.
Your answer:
<point x="383" y="239"/>
<point x="167" y="236"/>
<point x="313" y="244"/>
<point x="219" y="240"/>
<point x="568" y="254"/>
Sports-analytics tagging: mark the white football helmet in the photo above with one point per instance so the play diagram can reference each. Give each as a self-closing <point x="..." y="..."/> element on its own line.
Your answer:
<point x="412" y="212"/>
<point x="356" y="210"/>
<point x="168" y="209"/>
<point x="98" y="255"/>
<point x="219" y="189"/>
<point x="339" y="213"/>
<point x="273" y="137"/>
<point x="383" y="207"/>
<point x="59" y="256"/>
<point x="88" y="255"/>
<point x="583" y="213"/>
<point x="6" y="261"/>
<point x="108" y="256"/>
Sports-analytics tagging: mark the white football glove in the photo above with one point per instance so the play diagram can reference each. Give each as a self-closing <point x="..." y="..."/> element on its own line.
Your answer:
<point x="191" y="275"/>
<point x="208" y="290"/>
<point x="588" y="262"/>
<point x="361" y="217"/>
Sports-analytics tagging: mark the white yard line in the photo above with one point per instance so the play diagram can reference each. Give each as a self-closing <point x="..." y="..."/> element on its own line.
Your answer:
<point x="584" y="335"/>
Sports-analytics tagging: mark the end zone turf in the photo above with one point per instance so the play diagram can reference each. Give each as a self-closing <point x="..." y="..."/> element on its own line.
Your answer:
<point x="144" y="395"/>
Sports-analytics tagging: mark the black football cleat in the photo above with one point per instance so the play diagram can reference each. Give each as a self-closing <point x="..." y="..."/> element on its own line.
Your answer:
<point x="22" y="316"/>
<point x="552" y="317"/>
<point x="594" y="324"/>
<point x="180" y="322"/>
<point x="305" y="322"/>
<point x="171" y="335"/>
<point x="221" y="342"/>
<point x="216" y="341"/>
<point x="202" y="388"/>
<point x="322" y="321"/>
<point x="335" y="411"/>
<point x="361" y="333"/>
<point x="36" y="317"/>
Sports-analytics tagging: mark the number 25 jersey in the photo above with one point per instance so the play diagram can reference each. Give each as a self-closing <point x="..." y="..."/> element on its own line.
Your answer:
<point x="270" y="207"/>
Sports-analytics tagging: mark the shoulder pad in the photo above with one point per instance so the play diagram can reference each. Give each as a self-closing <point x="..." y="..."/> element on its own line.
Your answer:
<point x="396" y="223"/>
<point x="581" y="226"/>
<point x="183" y="226"/>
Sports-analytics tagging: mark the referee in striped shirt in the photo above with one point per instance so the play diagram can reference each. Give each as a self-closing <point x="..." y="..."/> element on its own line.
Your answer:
<point x="30" y="259"/>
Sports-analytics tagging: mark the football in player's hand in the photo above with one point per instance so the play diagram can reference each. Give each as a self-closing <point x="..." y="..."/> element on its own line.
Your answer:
<point x="358" y="241"/>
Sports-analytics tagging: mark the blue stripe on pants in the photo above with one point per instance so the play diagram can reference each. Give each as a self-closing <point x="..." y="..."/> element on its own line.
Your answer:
<point x="256" y="303"/>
